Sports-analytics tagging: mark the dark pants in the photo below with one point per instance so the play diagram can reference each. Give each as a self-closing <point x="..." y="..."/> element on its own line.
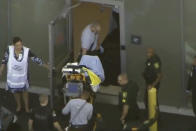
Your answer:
<point x="146" y="97"/>
<point x="194" y="100"/>
<point x="116" y="18"/>
<point x="133" y="113"/>
<point x="92" y="53"/>
<point x="79" y="129"/>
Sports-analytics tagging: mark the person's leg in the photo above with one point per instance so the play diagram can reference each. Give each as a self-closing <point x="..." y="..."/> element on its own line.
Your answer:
<point x="157" y="94"/>
<point x="158" y="109"/>
<point x="18" y="101"/>
<point x="26" y="101"/>
<point x="194" y="101"/>
<point x="73" y="129"/>
<point x="146" y="102"/>
<point x="84" y="129"/>
<point x="146" y="98"/>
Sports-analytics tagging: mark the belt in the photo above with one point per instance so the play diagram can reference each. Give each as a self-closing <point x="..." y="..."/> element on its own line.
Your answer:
<point x="79" y="126"/>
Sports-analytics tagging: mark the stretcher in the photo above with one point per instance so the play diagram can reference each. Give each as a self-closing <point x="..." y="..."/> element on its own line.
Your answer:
<point x="78" y="78"/>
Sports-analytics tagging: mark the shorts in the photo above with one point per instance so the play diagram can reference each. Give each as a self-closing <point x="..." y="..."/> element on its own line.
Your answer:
<point x="17" y="90"/>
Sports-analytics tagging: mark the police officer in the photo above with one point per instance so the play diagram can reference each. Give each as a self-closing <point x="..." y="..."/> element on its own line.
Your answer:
<point x="43" y="118"/>
<point x="152" y="73"/>
<point x="128" y="99"/>
<point x="192" y="84"/>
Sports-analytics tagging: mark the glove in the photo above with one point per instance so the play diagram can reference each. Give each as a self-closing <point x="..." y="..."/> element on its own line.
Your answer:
<point x="101" y="50"/>
<point x="188" y="91"/>
<point x="95" y="88"/>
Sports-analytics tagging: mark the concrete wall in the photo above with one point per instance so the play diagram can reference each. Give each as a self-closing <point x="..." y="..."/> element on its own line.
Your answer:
<point x="189" y="36"/>
<point x="158" y="23"/>
<point x="189" y="30"/>
<point x="3" y="24"/>
<point x="30" y="20"/>
<point x="3" y="27"/>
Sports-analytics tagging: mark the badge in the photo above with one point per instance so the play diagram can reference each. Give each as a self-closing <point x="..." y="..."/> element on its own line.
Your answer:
<point x="156" y="65"/>
<point x="123" y="101"/>
<point x="124" y="94"/>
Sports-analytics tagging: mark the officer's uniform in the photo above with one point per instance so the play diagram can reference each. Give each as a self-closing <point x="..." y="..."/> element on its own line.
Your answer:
<point x="192" y="86"/>
<point x="128" y="96"/>
<point x="43" y="118"/>
<point x="151" y="71"/>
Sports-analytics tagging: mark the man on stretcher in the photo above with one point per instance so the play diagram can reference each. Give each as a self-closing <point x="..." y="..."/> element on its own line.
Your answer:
<point x="90" y="66"/>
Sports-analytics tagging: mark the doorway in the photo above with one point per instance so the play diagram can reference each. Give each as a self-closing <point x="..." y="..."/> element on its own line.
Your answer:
<point x="104" y="14"/>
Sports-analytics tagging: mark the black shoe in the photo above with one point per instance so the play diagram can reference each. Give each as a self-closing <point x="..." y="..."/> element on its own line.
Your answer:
<point x="19" y="112"/>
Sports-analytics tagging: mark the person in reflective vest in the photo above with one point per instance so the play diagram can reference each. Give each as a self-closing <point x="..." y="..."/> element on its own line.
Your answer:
<point x="16" y="58"/>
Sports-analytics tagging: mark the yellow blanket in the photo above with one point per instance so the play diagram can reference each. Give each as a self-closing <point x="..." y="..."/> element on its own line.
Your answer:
<point x="95" y="80"/>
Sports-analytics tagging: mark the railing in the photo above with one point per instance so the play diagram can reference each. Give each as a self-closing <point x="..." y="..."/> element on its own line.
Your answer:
<point x="63" y="37"/>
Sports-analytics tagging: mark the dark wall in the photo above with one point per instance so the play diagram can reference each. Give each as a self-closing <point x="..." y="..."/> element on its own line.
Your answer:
<point x="3" y="27"/>
<point x="158" y="23"/>
<point x="189" y="36"/>
<point x="189" y="30"/>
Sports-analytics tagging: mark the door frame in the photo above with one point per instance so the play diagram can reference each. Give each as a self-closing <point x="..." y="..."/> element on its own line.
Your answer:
<point x="120" y="4"/>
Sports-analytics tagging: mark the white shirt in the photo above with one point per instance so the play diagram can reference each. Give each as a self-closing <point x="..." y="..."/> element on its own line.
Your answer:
<point x="83" y="116"/>
<point x="88" y="38"/>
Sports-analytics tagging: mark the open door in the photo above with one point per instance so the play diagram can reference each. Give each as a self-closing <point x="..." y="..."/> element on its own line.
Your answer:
<point x="87" y="13"/>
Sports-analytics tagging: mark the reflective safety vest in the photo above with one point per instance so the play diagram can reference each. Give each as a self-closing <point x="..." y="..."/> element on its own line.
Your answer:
<point x="17" y="70"/>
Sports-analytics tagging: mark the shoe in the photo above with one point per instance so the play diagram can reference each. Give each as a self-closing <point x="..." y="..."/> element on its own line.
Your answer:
<point x="18" y="112"/>
<point x="27" y="111"/>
